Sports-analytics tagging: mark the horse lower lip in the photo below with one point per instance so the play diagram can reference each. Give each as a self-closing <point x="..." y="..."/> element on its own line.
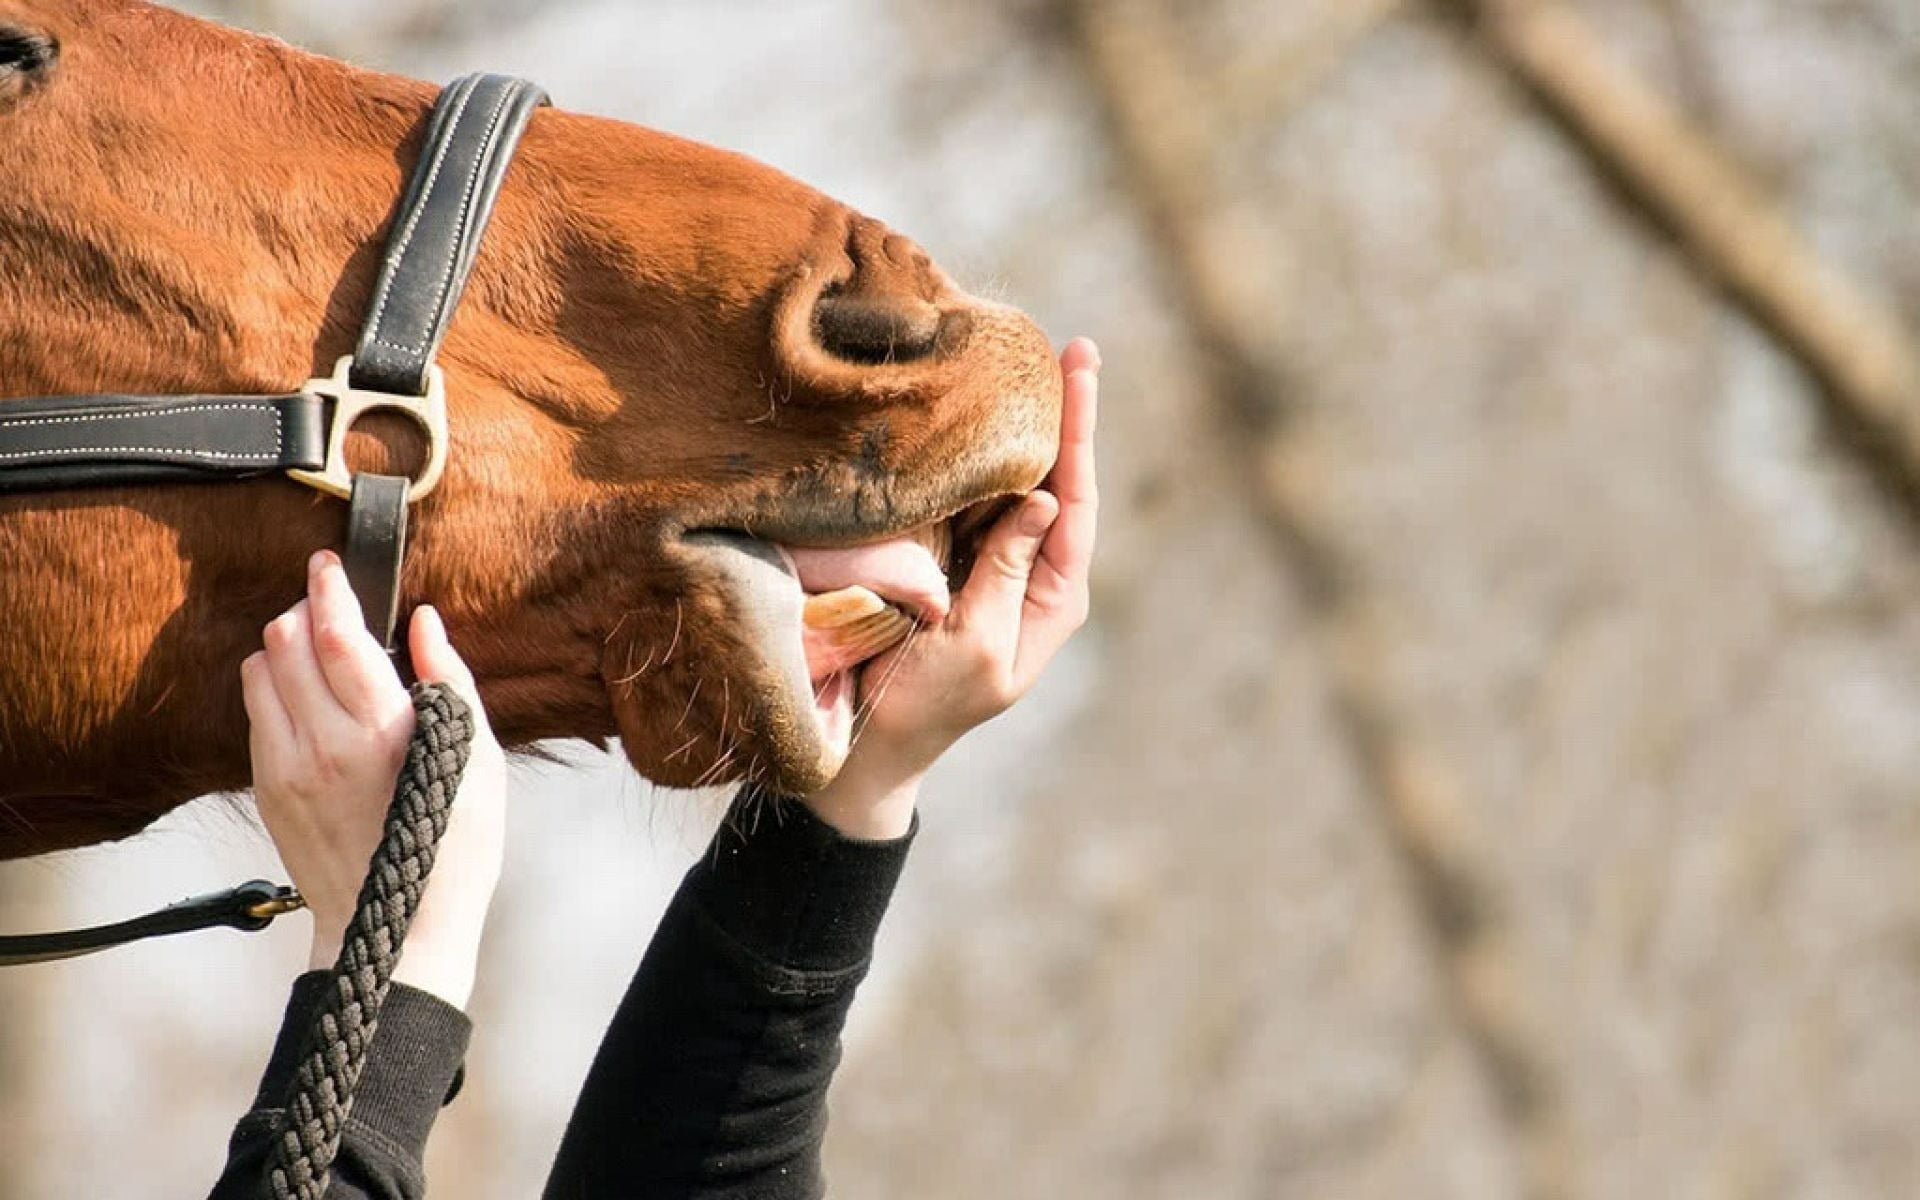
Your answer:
<point x="765" y="598"/>
<point x="806" y="693"/>
<point x="790" y="667"/>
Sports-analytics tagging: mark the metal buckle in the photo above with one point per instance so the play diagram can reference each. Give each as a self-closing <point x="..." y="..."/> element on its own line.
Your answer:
<point x="428" y="411"/>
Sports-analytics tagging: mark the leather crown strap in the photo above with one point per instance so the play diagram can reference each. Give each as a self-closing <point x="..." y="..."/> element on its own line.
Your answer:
<point x="113" y="441"/>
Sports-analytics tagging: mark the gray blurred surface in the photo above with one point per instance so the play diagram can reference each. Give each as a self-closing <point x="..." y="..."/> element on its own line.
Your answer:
<point x="1156" y="941"/>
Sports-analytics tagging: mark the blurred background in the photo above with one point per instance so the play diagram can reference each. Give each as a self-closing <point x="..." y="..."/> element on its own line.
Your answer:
<point x="1491" y="768"/>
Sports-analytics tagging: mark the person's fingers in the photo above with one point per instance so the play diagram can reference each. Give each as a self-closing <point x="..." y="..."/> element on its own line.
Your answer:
<point x="355" y="666"/>
<point x="1057" y="594"/>
<point x="434" y="658"/>
<point x="1069" y="547"/>
<point x="297" y="678"/>
<point x="989" y="606"/>
<point x="1045" y="625"/>
<point x="1079" y="411"/>
<point x="436" y="661"/>
<point x="270" y="728"/>
<point x="1080" y="355"/>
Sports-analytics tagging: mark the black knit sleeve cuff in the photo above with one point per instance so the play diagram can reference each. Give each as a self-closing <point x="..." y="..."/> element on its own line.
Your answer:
<point x="412" y="1069"/>
<point x="414" y="1066"/>
<point x="302" y="1003"/>
<point x="791" y="889"/>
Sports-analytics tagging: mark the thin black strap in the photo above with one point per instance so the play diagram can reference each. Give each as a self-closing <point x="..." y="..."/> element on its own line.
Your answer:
<point x="470" y="141"/>
<point x="250" y="906"/>
<point x="375" y="549"/>
<point x="75" y="441"/>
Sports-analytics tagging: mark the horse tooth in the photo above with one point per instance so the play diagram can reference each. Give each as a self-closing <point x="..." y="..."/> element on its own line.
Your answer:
<point x="889" y="622"/>
<point x="856" y="623"/>
<point x="831" y="610"/>
<point x="873" y="634"/>
<point x="938" y="538"/>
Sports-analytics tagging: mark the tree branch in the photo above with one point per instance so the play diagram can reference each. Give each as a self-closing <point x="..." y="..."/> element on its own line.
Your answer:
<point x="1161" y="128"/>
<point x="1726" y="224"/>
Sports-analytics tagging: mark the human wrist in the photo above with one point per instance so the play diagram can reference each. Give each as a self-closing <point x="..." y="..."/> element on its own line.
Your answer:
<point x="441" y="968"/>
<point x="442" y="948"/>
<point x="324" y="949"/>
<point x="440" y="956"/>
<point x="869" y="801"/>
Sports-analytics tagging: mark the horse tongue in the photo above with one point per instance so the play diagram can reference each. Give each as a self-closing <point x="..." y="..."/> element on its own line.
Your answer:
<point x="902" y="571"/>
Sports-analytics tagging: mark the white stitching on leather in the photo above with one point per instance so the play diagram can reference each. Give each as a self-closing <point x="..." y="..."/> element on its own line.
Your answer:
<point x="132" y="415"/>
<point x="184" y="450"/>
<point x="466" y="207"/>
<point x="143" y="415"/>
<point x="413" y="222"/>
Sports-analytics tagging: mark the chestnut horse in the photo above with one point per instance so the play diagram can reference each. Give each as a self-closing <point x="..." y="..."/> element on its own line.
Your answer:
<point x="675" y="371"/>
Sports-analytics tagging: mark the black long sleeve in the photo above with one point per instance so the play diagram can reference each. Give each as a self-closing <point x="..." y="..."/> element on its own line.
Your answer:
<point x="711" y="1082"/>
<point x="411" y="1070"/>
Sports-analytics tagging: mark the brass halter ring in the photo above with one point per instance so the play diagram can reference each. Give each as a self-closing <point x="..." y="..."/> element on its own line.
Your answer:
<point x="428" y="411"/>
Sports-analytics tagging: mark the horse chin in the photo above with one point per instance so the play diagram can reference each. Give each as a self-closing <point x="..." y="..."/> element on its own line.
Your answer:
<point x="722" y="693"/>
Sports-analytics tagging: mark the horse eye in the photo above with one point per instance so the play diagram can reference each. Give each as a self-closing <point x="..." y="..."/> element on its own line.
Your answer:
<point x="26" y="55"/>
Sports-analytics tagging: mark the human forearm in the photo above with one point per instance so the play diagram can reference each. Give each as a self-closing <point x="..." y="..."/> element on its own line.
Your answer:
<point x="412" y="1070"/>
<point x="870" y="800"/>
<point x="712" y="1079"/>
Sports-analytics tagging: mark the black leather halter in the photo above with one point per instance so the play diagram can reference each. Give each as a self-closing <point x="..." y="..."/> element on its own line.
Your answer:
<point x="112" y="441"/>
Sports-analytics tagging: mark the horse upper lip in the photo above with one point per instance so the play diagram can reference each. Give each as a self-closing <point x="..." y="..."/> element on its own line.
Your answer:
<point x="965" y="519"/>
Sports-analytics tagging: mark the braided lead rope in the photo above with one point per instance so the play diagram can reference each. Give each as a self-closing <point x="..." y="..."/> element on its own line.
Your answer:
<point x="336" y="1050"/>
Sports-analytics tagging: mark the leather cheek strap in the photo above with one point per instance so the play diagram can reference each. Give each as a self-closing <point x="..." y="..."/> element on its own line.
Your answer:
<point x="470" y="140"/>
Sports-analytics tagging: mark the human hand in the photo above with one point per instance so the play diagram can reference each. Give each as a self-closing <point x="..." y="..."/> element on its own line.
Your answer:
<point x="330" y="723"/>
<point x="1026" y="596"/>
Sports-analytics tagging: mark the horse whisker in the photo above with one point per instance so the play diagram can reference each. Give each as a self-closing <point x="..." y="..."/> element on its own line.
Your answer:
<point x="674" y="643"/>
<point x="691" y="697"/>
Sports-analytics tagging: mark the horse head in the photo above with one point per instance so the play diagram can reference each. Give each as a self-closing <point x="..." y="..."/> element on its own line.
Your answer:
<point x="685" y="391"/>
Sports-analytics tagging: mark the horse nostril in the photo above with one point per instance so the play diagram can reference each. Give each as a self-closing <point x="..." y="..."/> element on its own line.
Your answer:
<point x="874" y="330"/>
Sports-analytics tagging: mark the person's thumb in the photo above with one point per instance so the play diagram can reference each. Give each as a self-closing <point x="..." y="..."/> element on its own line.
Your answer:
<point x="434" y="658"/>
<point x="997" y="587"/>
